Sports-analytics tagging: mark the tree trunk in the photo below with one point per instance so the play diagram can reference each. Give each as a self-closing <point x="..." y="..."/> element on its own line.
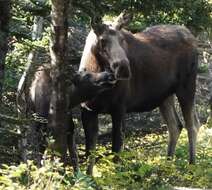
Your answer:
<point x="58" y="51"/>
<point x="4" y="30"/>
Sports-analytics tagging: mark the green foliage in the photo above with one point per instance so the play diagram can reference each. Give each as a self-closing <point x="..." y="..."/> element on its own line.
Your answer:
<point x="143" y="165"/>
<point x="17" y="58"/>
<point x="195" y="14"/>
<point x="203" y="68"/>
<point x="20" y="41"/>
<point x="52" y="175"/>
<point x="23" y="12"/>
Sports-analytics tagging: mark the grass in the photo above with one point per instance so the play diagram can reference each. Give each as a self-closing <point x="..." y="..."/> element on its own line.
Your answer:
<point x="143" y="165"/>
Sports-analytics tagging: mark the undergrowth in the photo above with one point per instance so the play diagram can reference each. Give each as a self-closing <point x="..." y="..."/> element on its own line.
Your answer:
<point x="142" y="165"/>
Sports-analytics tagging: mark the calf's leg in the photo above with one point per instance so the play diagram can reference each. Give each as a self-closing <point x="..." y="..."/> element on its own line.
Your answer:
<point x="71" y="143"/>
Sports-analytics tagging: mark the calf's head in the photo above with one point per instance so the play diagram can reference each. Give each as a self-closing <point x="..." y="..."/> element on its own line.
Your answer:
<point x="111" y="50"/>
<point x="87" y="85"/>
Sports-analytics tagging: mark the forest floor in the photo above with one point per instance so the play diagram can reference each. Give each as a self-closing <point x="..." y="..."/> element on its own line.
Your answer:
<point x="142" y="165"/>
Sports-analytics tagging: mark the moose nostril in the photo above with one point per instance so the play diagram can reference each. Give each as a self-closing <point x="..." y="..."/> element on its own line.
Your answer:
<point x="123" y="73"/>
<point x="115" y="65"/>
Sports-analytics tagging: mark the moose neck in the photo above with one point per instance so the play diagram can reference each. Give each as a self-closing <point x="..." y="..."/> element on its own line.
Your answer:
<point x="136" y="44"/>
<point x="88" y="59"/>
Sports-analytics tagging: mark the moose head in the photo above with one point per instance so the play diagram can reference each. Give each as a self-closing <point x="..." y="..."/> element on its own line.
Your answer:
<point x="111" y="47"/>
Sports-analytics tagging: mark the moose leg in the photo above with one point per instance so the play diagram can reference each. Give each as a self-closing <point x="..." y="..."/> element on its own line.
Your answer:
<point x="43" y="133"/>
<point x="191" y="125"/>
<point x="71" y="143"/>
<point x="173" y="122"/>
<point x="185" y="95"/>
<point x="117" y="130"/>
<point x="90" y="125"/>
<point x="31" y="143"/>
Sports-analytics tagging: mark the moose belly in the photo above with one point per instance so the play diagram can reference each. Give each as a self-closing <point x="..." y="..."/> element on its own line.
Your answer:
<point x="146" y="105"/>
<point x="148" y="100"/>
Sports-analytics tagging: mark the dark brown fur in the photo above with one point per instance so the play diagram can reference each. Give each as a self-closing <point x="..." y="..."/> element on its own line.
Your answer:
<point x="86" y="86"/>
<point x="162" y="62"/>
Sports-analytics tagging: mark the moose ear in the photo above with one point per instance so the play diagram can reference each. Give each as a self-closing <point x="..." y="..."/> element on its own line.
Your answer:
<point x="122" y="20"/>
<point x="97" y="25"/>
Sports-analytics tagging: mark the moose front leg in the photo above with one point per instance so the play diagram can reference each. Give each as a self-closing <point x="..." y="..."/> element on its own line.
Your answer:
<point x="90" y="125"/>
<point x="117" y="130"/>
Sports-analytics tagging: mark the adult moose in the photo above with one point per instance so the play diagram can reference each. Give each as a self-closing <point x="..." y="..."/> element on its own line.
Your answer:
<point x="86" y="85"/>
<point x="151" y="67"/>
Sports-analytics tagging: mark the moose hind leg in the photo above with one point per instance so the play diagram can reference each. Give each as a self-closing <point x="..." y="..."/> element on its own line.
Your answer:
<point x="90" y="125"/>
<point x="173" y="122"/>
<point x="191" y="125"/>
<point x="185" y="96"/>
